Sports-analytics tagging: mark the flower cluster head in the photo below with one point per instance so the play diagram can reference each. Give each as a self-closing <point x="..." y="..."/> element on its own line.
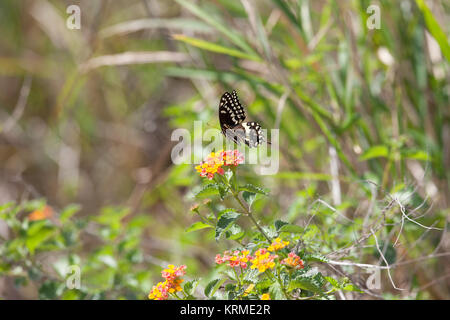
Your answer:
<point x="41" y="214"/>
<point x="263" y="260"/>
<point x="277" y="244"/>
<point x="265" y="296"/>
<point x="216" y="160"/>
<point x="232" y="158"/>
<point x="172" y="284"/>
<point x="235" y="259"/>
<point x="293" y="261"/>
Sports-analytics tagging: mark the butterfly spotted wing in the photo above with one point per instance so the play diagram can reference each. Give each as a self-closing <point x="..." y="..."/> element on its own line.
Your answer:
<point x="232" y="116"/>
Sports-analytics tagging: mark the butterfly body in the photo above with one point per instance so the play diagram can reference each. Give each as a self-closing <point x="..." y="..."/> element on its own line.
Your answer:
<point x="232" y="116"/>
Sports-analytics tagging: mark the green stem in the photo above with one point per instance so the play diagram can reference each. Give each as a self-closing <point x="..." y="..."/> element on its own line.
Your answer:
<point x="272" y="277"/>
<point x="247" y="211"/>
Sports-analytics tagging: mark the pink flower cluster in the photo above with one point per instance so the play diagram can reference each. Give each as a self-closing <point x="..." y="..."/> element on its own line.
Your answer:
<point x="216" y="160"/>
<point x="235" y="259"/>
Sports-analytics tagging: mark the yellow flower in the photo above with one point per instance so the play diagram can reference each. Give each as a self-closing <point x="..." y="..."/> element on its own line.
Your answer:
<point x="277" y="244"/>
<point x="263" y="260"/>
<point x="265" y="296"/>
<point x="172" y="284"/>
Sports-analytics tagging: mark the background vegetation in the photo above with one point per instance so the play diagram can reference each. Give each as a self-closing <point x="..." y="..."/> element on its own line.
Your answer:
<point x="86" y="118"/>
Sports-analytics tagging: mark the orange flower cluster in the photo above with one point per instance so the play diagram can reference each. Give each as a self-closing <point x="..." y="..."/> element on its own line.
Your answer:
<point x="263" y="260"/>
<point x="216" y="160"/>
<point x="41" y="214"/>
<point x="237" y="258"/>
<point x="172" y="284"/>
<point x="293" y="261"/>
<point x="277" y="244"/>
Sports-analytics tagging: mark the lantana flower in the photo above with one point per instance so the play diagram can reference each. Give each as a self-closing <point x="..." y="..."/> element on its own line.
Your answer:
<point x="159" y="292"/>
<point x="293" y="261"/>
<point x="277" y="244"/>
<point x="41" y="214"/>
<point x="172" y="284"/>
<point x="235" y="259"/>
<point x="263" y="260"/>
<point x="216" y="160"/>
<point x="265" y="296"/>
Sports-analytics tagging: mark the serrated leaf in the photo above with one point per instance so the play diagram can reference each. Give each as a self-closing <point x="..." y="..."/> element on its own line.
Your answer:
<point x="276" y="292"/>
<point x="225" y="221"/>
<point x="208" y="190"/>
<point x="310" y="280"/>
<point x="249" y="197"/>
<point x="223" y="191"/>
<point x="235" y="232"/>
<point x="279" y="223"/>
<point x="315" y="257"/>
<point x="254" y="189"/>
<point x="197" y="226"/>
<point x="190" y="286"/>
<point x="213" y="286"/>
<point x="333" y="282"/>
<point x="228" y="175"/>
<point x="227" y="210"/>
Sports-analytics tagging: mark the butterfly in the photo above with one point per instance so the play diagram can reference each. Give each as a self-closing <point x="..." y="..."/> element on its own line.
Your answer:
<point x="232" y="116"/>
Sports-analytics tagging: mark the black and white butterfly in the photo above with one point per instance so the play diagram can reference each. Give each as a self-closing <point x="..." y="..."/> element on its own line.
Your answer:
<point x="232" y="116"/>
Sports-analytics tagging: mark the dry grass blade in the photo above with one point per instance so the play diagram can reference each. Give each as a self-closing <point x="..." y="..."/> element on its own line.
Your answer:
<point x="133" y="58"/>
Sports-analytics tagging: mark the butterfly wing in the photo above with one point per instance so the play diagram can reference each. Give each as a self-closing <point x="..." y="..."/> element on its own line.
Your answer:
<point x="253" y="134"/>
<point x="231" y="117"/>
<point x="231" y="112"/>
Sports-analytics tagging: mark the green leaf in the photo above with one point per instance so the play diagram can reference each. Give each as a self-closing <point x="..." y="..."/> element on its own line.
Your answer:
<point x="352" y="287"/>
<point x="279" y="223"/>
<point x="375" y="152"/>
<point x="251" y="276"/>
<point x="33" y="241"/>
<point x="310" y="280"/>
<point x="190" y="286"/>
<point x="225" y="221"/>
<point x="290" y="228"/>
<point x="235" y="232"/>
<point x="198" y="226"/>
<point x="202" y="44"/>
<point x="249" y="197"/>
<point x="68" y="212"/>
<point x="213" y="286"/>
<point x="315" y="257"/>
<point x="333" y="282"/>
<point x="225" y="211"/>
<point x="223" y="191"/>
<point x="276" y="292"/>
<point x="254" y="189"/>
<point x="50" y="290"/>
<point x="208" y="190"/>
<point x="435" y="29"/>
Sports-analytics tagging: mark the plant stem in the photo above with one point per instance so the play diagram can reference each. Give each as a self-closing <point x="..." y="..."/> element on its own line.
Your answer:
<point x="247" y="211"/>
<point x="272" y="276"/>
